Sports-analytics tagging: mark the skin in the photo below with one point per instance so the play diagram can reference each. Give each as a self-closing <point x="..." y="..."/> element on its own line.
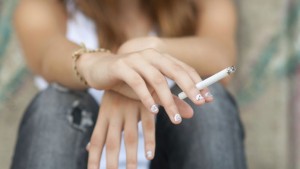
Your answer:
<point x="134" y="76"/>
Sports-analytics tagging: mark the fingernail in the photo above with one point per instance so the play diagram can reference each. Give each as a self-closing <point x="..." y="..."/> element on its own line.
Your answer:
<point x="87" y="146"/>
<point x="154" y="108"/>
<point x="199" y="97"/>
<point x="149" y="154"/>
<point x="208" y="94"/>
<point x="177" y="118"/>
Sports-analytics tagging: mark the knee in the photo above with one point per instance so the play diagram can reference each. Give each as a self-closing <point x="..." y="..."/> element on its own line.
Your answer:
<point x="221" y="115"/>
<point x="58" y="103"/>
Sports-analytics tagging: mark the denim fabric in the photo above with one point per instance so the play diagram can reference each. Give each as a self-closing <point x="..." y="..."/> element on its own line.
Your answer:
<point x="212" y="139"/>
<point x="58" y="124"/>
<point x="52" y="135"/>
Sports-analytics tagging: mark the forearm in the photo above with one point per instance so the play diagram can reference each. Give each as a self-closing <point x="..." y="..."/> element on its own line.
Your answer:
<point x="56" y="64"/>
<point x="53" y="61"/>
<point x="47" y="51"/>
<point x="213" y="47"/>
<point x="206" y="55"/>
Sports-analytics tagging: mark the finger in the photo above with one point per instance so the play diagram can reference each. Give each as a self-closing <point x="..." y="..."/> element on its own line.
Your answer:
<point x="175" y="72"/>
<point x="113" y="142"/>
<point x="183" y="80"/>
<point x="190" y="71"/>
<point x="185" y="110"/>
<point x="137" y="83"/>
<point x="126" y="90"/>
<point x="161" y="88"/>
<point x="96" y="144"/>
<point x="207" y="95"/>
<point x="195" y="77"/>
<point x="148" y="124"/>
<point x="131" y="140"/>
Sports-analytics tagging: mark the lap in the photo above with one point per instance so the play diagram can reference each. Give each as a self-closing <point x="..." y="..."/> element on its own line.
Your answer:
<point x="58" y="124"/>
<point x="57" y="120"/>
<point x="212" y="139"/>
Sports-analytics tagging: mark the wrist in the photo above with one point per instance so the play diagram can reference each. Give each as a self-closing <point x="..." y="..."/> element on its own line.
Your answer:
<point x="91" y="65"/>
<point x="156" y="43"/>
<point x="85" y="62"/>
<point x="83" y="58"/>
<point x="144" y="43"/>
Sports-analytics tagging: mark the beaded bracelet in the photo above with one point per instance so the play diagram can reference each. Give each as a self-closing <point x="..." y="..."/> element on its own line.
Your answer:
<point x="83" y="50"/>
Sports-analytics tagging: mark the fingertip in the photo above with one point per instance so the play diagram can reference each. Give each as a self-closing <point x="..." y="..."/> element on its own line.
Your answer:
<point x="189" y="115"/>
<point x="149" y="155"/>
<point x="154" y="108"/>
<point x="177" y="118"/>
<point x="199" y="99"/>
<point x="196" y="97"/>
<point x="208" y="97"/>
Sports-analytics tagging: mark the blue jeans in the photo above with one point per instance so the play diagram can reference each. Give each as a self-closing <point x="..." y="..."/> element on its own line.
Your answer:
<point x="58" y="124"/>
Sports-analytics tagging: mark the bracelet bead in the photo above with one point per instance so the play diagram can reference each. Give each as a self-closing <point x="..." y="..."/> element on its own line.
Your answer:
<point x="77" y="54"/>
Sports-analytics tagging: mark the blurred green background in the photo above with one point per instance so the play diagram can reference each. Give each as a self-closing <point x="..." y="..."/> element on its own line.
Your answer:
<point x="266" y="85"/>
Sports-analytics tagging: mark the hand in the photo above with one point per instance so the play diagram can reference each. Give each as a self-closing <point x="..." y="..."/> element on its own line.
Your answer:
<point x="118" y="113"/>
<point x="142" y="68"/>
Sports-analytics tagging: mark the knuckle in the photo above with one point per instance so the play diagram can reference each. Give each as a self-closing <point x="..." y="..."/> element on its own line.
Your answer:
<point x="169" y="105"/>
<point x="136" y="81"/>
<point x="111" y="166"/>
<point x="130" y="137"/>
<point x="158" y="80"/>
<point x="192" y="70"/>
<point x="177" y="68"/>
<point x="111" y="145"/>
<point x="150" y="143"/>
<point x="147" y="99"/>
<point x="149" y="125"/>
<point x="117" y="66"/>
<point x="176" y="71"/>
<point x="94" y="143"/>
<point x="133" y="57"/>
<point x="191" y="87"/>
<point x="131" y="163"/>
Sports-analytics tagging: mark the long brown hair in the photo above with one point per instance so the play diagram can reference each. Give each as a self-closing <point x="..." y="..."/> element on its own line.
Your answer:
<point x="171" y="17"/>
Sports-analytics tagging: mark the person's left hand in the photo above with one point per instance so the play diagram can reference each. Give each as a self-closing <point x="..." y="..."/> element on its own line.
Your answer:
<point x="119" y="113"/>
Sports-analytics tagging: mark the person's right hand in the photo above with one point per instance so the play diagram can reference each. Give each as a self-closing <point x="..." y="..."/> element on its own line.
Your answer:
<point x="139" y="69"/>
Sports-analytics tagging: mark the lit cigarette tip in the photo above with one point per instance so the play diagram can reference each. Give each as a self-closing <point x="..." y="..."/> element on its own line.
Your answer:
<point x="231" y="69"/>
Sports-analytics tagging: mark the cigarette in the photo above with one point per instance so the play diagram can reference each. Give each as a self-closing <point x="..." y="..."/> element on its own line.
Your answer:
<point x="211" y="80"/>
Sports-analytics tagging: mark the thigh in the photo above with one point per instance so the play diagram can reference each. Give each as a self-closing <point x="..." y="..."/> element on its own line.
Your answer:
<point x="212" y="139"/>
<point x="55" y="130"/>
